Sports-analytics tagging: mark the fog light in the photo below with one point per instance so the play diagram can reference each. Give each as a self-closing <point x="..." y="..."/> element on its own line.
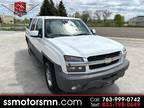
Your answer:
<point x="80" y="68"/>
<point x="72" y="68"/>
<point x="76" y="69"/>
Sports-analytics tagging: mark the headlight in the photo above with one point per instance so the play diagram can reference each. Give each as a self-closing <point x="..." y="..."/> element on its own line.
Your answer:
<point x="73" y="59"/>
<point x="70" y="59"/>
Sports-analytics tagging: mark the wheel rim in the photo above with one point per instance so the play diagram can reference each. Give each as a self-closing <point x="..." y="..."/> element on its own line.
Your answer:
<point x="49" y="81"/>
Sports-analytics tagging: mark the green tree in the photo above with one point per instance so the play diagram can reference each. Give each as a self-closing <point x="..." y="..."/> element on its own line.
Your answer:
<point x="119" y="20"/>
<point x="0" y="20"/>
<point x="47" y="8"/>
<point x="53" y="8"/>
<point x="61" y="9"/>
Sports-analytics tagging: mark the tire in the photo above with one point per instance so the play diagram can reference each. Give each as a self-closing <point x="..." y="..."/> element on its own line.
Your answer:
<point x="29" y="50"/>
<point x="109" y="84"/>
<point x="51" y="79"/>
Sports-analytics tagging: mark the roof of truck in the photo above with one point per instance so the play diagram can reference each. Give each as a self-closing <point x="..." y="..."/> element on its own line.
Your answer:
<point x="55" y="17"/>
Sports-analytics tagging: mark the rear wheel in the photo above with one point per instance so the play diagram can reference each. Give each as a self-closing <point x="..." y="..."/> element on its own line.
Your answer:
<point x="50" y="78"/>
<point x="29" y="50"/>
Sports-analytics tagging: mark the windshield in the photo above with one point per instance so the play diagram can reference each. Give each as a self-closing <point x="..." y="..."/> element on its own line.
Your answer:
<point x="64" y="27"/>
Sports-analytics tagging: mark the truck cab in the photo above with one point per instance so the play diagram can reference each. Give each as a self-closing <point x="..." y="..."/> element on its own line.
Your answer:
<point x="74" y="57"/>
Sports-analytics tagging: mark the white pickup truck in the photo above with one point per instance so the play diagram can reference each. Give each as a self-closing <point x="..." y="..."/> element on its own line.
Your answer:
<point x="74" y="57"/>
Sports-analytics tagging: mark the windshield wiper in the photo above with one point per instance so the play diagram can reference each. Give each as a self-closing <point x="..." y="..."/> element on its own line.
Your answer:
<point x="81" y="34"/>
<point x="57" y="35"/>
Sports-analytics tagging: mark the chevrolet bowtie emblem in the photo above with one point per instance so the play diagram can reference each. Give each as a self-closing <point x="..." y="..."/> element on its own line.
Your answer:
<point x="108" y="60"/>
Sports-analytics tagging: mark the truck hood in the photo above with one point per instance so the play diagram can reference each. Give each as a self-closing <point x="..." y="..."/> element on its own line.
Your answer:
<point x="85" y="46"/>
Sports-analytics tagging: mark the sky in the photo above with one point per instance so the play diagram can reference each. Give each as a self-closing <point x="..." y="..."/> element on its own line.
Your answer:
<point x="128" y="8"/>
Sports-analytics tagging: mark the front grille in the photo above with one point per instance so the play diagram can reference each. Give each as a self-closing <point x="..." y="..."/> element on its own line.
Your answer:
<point x="102" y="65"/>
<point x="102" y="58"/>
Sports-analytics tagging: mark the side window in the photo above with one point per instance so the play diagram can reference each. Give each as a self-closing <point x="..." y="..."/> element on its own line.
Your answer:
<point x="33" y="24"/>
<point x="30" y="23"/>
<point x="39" y="27"/>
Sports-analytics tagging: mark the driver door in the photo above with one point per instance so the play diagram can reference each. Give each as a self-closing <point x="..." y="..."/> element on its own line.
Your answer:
<point x="36" y="41"/>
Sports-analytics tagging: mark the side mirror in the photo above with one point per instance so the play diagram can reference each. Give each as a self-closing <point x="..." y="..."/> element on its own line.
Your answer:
<point x="34" y="33"/>
<point x="93" y="31"/>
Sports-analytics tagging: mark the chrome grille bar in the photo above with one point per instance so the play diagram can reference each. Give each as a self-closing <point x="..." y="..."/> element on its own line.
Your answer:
<point x="91" y="63"/>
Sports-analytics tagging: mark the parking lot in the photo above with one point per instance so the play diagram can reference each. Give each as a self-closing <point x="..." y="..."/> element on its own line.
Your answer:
<point x="21" y="73"/>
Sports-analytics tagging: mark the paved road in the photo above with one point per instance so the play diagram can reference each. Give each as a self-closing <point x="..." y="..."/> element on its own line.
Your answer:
<point x="121" y="32"/>
<point x="21" y="73"/>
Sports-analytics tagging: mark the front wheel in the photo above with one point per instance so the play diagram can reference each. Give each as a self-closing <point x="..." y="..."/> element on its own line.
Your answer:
<point x="50" y="78"/>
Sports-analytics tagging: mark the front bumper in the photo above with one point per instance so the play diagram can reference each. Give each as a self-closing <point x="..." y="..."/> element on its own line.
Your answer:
<point x="79" y="82"/>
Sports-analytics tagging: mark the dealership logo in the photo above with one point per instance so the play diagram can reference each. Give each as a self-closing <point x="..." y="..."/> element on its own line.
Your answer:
<point x="20" y="8"/>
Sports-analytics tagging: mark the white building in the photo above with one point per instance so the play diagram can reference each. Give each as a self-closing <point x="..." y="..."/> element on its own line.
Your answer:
<point x="136" y="21"/>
